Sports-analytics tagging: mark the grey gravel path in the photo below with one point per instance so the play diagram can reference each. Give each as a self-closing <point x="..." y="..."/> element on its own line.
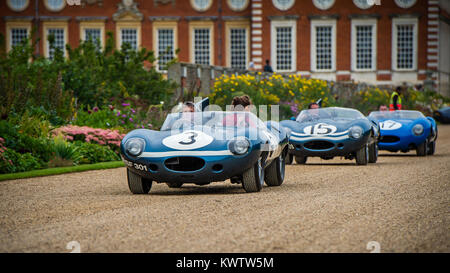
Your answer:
<point x="402" y="202"/>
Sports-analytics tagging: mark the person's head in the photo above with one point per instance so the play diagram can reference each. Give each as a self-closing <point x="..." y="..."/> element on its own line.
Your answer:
<point x="242" y="101"/>
<point x="398" y="89"/>
<point x="188" y="106"/>
<point x="267" y="62"/>
<point x="313" y="105"/>
<point x="382" y="108"/>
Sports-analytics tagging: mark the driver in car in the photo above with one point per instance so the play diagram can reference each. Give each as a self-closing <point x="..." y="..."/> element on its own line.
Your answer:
<point x="239" y="103"/>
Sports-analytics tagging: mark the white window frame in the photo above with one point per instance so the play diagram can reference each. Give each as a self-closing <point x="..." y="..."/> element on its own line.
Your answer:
<point x="201" y="25"/>
<point x="273" y="34"/>
<point x="93" y="25"/>
<point x="237" y="25"/>
<point x="318" y="23"/>
<point x="53" y="25"/>
<point x="15" y="25"/>
<point x="401" y="21"/>
<point x="373" y="24"/>
<point x="164" y="25"/>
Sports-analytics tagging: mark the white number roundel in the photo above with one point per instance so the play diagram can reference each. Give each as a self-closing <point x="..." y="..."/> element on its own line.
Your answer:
<point x="390" y="125"/>
<point x="188" y="140"/>
<point x="320" y="129"/>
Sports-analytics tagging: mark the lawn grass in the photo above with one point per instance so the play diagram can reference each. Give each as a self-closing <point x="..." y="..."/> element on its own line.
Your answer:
<point x="61" y="170"/>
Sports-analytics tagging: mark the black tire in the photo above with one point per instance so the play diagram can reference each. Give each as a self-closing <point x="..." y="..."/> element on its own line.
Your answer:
<point x="362" y="155"/>
<point x="274" y="174"/>
<point x="373" y="153"/>
<point x="289" y="159"/>
<point x="421" y="149"/>
<point x="301" y="159"/>
<point x="175" y="185"/>
<point x="138" y="184"/>
<point x="253" y="178"/>
<point x="431" y="148"/>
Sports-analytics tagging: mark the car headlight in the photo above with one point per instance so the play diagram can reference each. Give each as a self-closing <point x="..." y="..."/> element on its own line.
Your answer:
<point x="239" y="146"/>
<point x="135" y="146"/>
<point x="355" y="132"/>
<point x="417" y="129"/>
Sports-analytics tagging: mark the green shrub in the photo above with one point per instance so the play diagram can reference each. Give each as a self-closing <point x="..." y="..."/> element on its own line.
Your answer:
<point x="95" y="153"/>
<point x="13" y="162"/>
<point x="65" y="152"/>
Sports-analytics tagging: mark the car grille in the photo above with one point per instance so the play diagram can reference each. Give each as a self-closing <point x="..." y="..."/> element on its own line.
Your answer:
<point x="318" y="145"/>
<point x="389" y="139"/>
<point x="184" y="164"/>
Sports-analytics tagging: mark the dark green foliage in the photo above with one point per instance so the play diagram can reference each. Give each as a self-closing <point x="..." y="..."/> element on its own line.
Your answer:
<point x="94" y="153"/>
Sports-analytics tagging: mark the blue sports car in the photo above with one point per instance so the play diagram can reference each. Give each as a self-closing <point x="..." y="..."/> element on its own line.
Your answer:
<point x="330" y="132"/>
<point x="205" y="147"/>
<point x="405" y="130"/>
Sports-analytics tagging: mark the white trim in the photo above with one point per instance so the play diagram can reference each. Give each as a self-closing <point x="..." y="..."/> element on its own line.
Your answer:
<point x="343" y="72"/>
<point x="273" y="43"/>
<point x="383" y="72"/>
<point x="318" y="135"/>
<point x="319" y="138"/>
<point x="314" y="24"/>
<point x="398" y="21"/>
<point x="186" y="153"/>
<point x="364" y="22"/>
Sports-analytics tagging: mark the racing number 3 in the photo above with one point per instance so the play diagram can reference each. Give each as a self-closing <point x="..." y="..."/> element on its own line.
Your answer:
<point x="190" y="139"/>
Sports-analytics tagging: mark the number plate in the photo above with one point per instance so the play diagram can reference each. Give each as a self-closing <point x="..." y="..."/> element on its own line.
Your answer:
<point x="137" y="166"/>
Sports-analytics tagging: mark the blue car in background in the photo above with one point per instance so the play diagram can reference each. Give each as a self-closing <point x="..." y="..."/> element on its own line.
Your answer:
<point x="405" y="130"/>
<point x="205" y="147"/>
<point x="330" y="132"/>
<point x="442" y="115"/>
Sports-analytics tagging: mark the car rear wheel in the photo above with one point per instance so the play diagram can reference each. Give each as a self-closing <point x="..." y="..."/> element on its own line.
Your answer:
<point x="253" y="178"/>
<point x="175" y="185"/>
<point x="362" y="155"/>
<point x="431" y="148"/>
<point x="275" y="172"/>
<point x="421" y="149"/>
<point x="138" y="184"/>
<point x="301" y="159"/>
<point x="289" y="159"/>
<point x="373" y="153"/>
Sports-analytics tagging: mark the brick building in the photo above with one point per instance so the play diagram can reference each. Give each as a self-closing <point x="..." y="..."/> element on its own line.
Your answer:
<point x="375" y="41"/>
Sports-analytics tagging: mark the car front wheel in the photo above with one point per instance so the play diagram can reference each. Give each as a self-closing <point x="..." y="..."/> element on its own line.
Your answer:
<point x="431" y="148"/>
<point x="362" y="155"/>
<point x="373" y="153"/>
<point x="289" y="159"/>
<point x="421" y="149"/>
<point x="138" y="184"/>
<point x="253" y="178"/>
<point x="275" y="172"/>
<point x="301" y="159"/>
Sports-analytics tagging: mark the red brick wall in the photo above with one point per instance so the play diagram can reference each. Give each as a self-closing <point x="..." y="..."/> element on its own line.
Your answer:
<point x="302" y="8"/>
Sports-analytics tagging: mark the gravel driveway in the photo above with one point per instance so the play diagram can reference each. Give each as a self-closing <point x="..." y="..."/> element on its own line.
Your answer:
<point x="402" y="202"/>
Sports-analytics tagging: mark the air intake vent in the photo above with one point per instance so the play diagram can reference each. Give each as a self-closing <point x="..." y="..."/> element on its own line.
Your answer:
<point x="318" y="145"/>
<point x="389" y="139"/>
<point x="184" y="164"/>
